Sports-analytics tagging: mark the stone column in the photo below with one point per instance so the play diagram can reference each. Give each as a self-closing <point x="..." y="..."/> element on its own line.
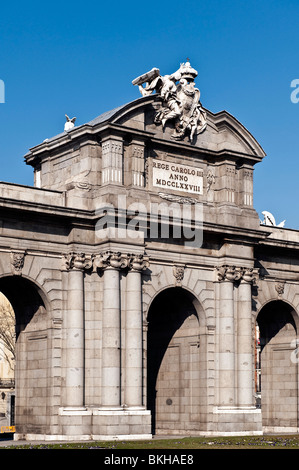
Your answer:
<point x="226" y="275"/>
<point x="134" y="359"/>
<point x="75" y="264"/>
<point x="245" y="341"/>
<point x="111" y="263"/>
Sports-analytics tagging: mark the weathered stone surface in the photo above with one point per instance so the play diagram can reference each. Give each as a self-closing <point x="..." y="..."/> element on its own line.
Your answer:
<point x="123" y="332"/>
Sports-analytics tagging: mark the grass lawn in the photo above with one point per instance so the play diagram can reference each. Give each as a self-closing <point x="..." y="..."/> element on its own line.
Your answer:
<point x="184" y="443"/>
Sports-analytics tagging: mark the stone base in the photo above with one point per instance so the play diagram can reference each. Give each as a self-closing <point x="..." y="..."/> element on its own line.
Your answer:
<point x="237" y="421"/>
<point x="280" y="430"/>
<point x="87" y="424"/>
<point x="104" y="423"/>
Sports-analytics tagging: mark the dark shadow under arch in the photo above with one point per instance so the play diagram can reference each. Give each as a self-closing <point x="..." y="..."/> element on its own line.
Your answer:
<point x="167" y="313"/>
<point x="31" y="352"/>
<point x="24" y="297"/>
<point x="278" y="328"/>
<point x="274" y="316"/>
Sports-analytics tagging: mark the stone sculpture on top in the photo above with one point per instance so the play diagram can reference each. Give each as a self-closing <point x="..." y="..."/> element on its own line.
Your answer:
<point x="180" y="100"/>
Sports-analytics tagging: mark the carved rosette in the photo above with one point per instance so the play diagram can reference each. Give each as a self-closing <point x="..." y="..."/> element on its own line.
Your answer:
<point x="17" y="259"/>
<point x="236" y="274"/>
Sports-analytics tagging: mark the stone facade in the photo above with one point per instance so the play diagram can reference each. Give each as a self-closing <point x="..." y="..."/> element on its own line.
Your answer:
<point x="127" y="326"/>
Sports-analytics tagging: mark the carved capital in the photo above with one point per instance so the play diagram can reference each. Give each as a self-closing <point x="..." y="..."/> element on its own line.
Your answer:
<point x="77" y="261"/>
<point x="110" y="259"/>
<point x="249" y="275"/>
<point x="17" y="259"/>
<point x="138" y="262"/>
<point x="234" y="274"/>
<point x="226" y="273"/>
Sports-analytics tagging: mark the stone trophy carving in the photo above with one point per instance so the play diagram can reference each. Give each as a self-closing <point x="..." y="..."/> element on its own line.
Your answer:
<point x="70" y="123"/>
<point x="180" y="101"/>
<point x="270" y="220"/>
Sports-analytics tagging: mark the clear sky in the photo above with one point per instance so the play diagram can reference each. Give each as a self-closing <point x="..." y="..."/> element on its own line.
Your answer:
<point x="80" y="58"/>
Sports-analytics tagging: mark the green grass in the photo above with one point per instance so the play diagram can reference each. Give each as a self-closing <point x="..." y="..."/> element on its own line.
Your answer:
<point x="184" y="443"/>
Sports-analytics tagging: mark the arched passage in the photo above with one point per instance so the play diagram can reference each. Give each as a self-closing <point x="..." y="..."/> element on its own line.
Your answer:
<point x="176" y="378"/>
<point x="31" y="353"/>
<point x="278" y="329"/>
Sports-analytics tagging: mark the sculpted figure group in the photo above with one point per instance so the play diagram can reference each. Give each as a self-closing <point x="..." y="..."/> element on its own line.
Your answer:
<point x="180" y="100"/>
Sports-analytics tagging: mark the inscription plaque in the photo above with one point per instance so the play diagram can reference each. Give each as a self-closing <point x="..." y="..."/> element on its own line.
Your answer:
<point x="177" y="177"/>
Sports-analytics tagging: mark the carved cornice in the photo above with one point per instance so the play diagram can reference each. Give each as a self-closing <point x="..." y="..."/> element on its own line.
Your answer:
<point x="236" y="274"/>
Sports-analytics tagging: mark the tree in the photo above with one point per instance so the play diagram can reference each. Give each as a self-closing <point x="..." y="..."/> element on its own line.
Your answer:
<point x="7" y="331"/>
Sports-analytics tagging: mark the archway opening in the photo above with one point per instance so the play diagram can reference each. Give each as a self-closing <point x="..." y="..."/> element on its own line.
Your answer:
<point x="278" y="327"/>
<point x="175" y="361"/>
<point x="7" y="366"/>
<point x="28" y="314"/>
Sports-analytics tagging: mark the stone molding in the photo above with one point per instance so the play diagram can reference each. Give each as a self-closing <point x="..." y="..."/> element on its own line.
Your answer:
<point x="236" y="274"/>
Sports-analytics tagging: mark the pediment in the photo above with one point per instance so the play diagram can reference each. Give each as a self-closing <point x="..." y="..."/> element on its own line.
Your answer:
<point x="223" y="131"/>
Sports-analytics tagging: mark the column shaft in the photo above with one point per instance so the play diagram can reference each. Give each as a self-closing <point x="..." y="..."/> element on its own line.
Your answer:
<point x="245" y="346"/>
<point x="226" y="345"/>
<point x="75" y="340"/>
<point x="111" y="339"/>
<point x="133" y="395"/>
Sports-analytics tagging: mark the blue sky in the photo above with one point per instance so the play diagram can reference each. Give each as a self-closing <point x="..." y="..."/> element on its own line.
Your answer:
<point x="79" y="58"/>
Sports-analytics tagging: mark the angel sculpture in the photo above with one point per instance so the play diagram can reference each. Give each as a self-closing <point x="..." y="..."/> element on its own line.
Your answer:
<point x="180" y="101"/>
<point x="70" y="123"/>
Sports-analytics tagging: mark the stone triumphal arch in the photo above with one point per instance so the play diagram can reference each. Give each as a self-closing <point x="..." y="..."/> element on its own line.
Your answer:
<point x="139" y="274"/>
